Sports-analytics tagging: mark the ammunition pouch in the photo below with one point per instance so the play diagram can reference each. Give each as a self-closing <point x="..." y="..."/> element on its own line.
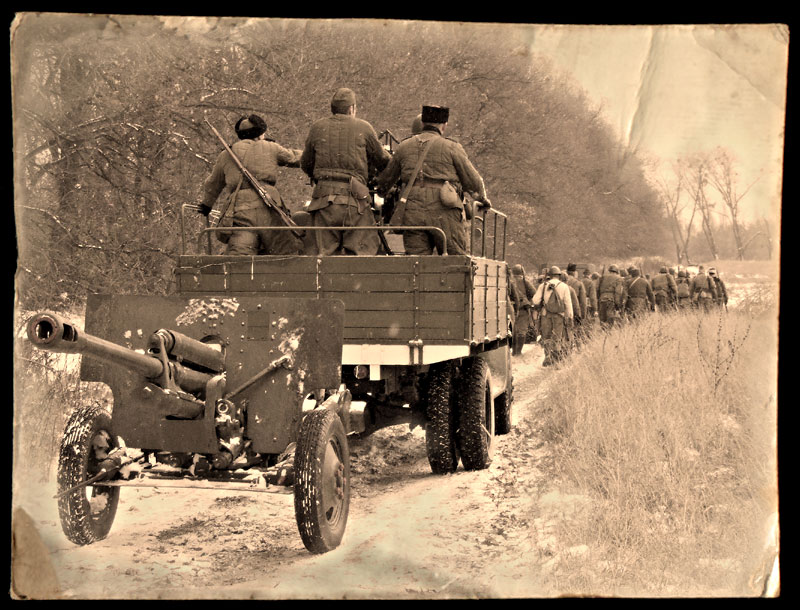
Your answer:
<point x="360" y="192"/>
<point x="449" y="196"/>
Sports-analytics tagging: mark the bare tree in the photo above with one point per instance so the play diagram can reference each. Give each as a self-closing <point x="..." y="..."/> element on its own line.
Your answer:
<point x="723" y="177"/>
<point x="696" y="171"/>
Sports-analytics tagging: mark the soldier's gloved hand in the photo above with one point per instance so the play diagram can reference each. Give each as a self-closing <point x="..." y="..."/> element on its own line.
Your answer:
<point x="204" y="209"/>
<point x="483" y="202"/>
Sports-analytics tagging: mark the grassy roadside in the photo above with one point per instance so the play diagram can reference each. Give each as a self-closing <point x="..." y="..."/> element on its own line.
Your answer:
<point x="669" y="426"/>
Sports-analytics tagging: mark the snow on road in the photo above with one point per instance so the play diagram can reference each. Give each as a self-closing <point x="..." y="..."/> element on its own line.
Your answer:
<point x="410" y="534"/>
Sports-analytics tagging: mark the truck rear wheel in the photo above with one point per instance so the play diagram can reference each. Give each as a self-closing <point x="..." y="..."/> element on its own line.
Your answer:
<point x="440" y="428"/>
<point x="322" y="481"/>
<point x="476" y="416"/>
<point x="502" y="409"/>
<point x="86" y="513"/>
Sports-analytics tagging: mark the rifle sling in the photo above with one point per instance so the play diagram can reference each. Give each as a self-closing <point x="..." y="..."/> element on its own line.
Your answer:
<point x="407" y="188"/>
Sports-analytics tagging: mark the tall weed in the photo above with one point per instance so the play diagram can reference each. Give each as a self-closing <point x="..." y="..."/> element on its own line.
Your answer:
<point x="669" y="424"/>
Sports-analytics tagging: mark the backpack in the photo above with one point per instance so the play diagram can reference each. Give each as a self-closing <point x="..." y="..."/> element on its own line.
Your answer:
<point x="553" y="303"/>
<point x="660" y="283"/>
<point x="683" y="288"/>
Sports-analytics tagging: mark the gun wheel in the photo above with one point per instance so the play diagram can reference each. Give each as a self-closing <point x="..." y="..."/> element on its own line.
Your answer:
<point x="87" y="513"/>
<point x="476" y="422"/>
<point x="440" y="428"/>
<point x="322" y="481"/>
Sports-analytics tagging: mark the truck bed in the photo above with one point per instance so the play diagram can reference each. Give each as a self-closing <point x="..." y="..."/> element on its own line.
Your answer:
<point x="434" y="303"/>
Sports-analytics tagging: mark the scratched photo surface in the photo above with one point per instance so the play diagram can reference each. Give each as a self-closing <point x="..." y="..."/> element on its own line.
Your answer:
<point x="642" y="464"/>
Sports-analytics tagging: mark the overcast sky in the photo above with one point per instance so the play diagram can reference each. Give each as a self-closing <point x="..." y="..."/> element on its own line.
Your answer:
<point x="672" y="90"/>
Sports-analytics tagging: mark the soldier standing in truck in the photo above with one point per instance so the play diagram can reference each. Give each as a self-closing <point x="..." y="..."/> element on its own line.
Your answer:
<point x="340" y="153"/>
<point x="261" y="156"/>
<point x="435" y="172"/>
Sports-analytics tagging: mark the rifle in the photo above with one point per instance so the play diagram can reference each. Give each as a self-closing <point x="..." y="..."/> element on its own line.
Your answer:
<point x="388" y="139"/>
<point x="268" y="201"/>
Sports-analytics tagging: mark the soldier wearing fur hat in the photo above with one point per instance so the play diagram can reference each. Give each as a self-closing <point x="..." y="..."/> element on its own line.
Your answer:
<point x="341" y="153"/>
<point x="640" y="294"/>
<point x="435" y="195"/>
<point x="553" y="301"/>
<point x="611" y="296"/>
<point x="521" y="290"/>
<point x="261" y="156"/>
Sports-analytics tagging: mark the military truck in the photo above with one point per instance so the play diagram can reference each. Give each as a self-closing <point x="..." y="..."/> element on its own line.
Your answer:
<point x="255" y="373"/>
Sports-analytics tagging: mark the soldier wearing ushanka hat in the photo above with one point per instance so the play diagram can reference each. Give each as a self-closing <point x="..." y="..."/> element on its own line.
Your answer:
<point x="340" y="153"/>
<point x="262" y="157"/>
<point x="435" y="197"/>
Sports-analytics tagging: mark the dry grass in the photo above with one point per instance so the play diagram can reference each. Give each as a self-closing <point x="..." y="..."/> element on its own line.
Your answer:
<point x="669" y="425"/>
<point x="47" y="388"/>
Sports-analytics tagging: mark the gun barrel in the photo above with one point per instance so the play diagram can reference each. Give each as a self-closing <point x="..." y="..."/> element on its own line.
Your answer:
<point x="208" y="356"/>
<point x="50" y="332"/>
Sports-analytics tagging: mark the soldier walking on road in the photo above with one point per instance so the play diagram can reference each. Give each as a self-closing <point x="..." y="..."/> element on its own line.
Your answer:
<point x="340" y="154"/>
<point x="640" y="295"/>
<point x="683" y="290"/>
<point x="611" y="296"/>
<point x="522" y="291"/>
<point x="553" y="301"/>
<point x="702" y="290"/>
<point x="665" y="290"/>
<point x="435" y="197"/>
<point x="580" y="314"/>
<point x="721" y="298"/>
<point x="590" y="287"/>
<point x="261" y="157"/>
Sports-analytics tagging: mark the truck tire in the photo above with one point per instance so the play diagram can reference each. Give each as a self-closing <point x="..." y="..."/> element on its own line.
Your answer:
<point x="476" y="421"/>
<point x="440" y="428"/>
<point x="87" y="513"/>
<point x="502" y="409"/>
<point x="322" y="481"/>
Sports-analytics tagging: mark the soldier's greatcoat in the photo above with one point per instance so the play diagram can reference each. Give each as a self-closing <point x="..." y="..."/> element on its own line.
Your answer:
<point x="341" y="152"/>
<point x="665" y="290"/>
<point x="445" y="161"/>
<point x="262" y="159"/>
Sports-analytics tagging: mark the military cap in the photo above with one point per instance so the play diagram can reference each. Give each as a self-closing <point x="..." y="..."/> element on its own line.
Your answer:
<point x="595" y="275"/>
<point x="663" y="270"/>
<point x="586" y="272"/>
<point x="250" y="127"/>
<point x="553" y="271"/>
<point x="416" y="125"/>
<point x="343" y="99"/>
<point x="518" y="269"/>
<point x="712" y="271"/>
<point x="633" y="271"/>
<point x="682" y="273"/>
<point x="435" y="114"/>
<point x="613" y="269"/>
<point x="571" y="267"/>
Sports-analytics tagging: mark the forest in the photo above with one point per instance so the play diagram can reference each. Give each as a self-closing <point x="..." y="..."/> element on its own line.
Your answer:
<point x="110" y="136"/>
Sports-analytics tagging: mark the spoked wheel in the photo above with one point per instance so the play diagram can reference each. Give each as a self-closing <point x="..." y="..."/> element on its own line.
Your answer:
<point x="86" y="513"/>
<point x="440" y="428"/>
<point x="476" y="422"/>
<point x="322" y="481"/>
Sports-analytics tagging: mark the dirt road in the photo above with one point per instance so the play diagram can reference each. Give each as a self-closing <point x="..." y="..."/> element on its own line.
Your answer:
<point x="411" y="534"/>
